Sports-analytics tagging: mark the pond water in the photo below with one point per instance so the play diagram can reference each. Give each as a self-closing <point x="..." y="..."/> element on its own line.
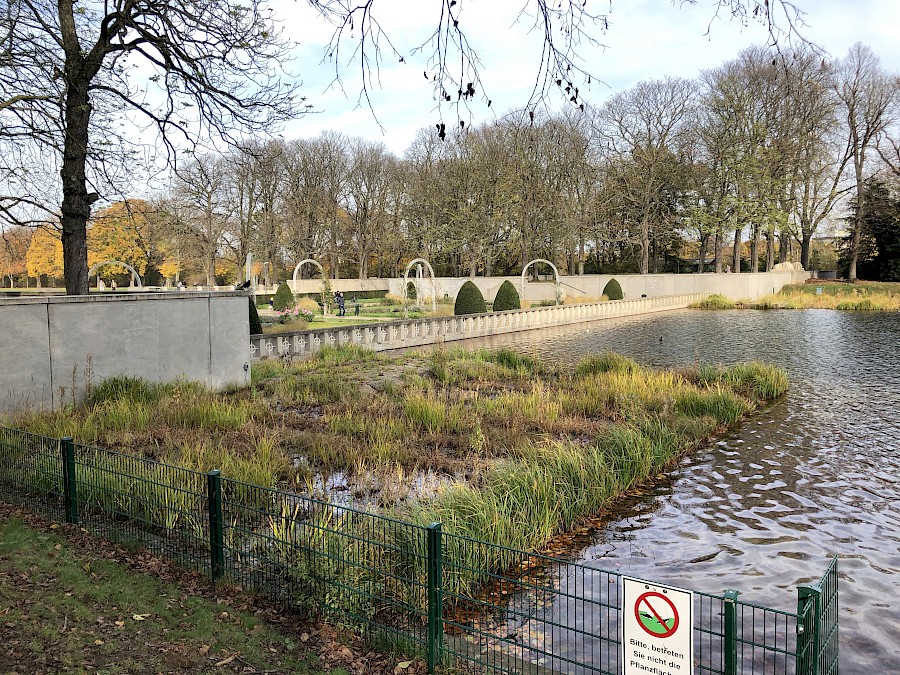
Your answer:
<point x="814" y="476"/>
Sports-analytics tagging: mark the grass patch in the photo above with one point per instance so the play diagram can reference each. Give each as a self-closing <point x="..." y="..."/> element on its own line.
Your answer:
<point x="64" y="611"/>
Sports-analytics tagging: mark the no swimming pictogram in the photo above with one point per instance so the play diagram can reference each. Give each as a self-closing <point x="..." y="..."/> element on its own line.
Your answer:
<point x="656" y="614"/>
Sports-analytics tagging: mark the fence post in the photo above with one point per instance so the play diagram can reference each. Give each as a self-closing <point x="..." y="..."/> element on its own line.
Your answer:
<point x="70" y="484"/>
<point x="216" y="530"/>
<point x="435" y="595"/>
<point x="730" y="632"/>
<point x="809" y="608"/>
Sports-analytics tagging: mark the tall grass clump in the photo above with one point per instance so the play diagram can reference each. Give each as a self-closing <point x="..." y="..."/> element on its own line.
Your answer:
<point x="715" y="301"/>
<point x="757" y="380"/>
<point x="346" y="354"/>
<point x="608" y="362"/>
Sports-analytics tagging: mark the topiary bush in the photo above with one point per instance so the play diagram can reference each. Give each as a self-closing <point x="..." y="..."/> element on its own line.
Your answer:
<point x="284" y="298"/>
<point x="613" y="290"/>
<point x="469" y="300"/>
<point x="507" y="297"/>
<point x="255" y="323"/>
<point x="411" y="291"/>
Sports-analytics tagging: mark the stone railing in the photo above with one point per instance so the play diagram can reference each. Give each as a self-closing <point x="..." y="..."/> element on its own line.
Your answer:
<point x="418" y="332"/>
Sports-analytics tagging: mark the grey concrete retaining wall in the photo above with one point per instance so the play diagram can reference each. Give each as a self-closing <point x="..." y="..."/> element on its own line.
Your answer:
<point x="745" y="286"/>
<point x="419" y="332"/>
<point x="54" y="346"/>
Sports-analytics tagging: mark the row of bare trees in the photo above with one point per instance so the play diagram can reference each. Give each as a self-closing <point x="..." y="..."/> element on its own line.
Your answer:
<point x="757" y="154"/>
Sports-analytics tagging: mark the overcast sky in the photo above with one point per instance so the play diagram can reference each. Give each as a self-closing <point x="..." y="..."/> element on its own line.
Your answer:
<point x="646" y="39"/>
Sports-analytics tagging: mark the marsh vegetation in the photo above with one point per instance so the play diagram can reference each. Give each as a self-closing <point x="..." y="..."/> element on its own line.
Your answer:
<point x="497" y="445"/>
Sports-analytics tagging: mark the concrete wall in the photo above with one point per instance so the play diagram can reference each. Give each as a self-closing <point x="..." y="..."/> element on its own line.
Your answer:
<point x="419" y="332"/>
<point x="54" y="346"/>
<point x="735" y="286"/>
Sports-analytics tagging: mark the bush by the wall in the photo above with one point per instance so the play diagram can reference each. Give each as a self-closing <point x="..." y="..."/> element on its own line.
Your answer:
<point x="469" y="300"/>
<point x="255" y="324"/>
<point x="507" y="297"/>
<point x="284" y="298"/>
<point x="613" y="290"/>
<point x="411" y="291"/>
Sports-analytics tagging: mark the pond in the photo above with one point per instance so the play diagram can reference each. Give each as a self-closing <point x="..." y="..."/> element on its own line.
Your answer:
<point x="763" y="510"/>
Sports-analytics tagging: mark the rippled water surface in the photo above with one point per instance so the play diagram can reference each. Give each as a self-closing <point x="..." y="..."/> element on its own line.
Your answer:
<point x="814" y="476"/>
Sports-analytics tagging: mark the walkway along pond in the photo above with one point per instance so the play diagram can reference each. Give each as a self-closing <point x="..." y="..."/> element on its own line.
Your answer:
<point x="816" y="475"/>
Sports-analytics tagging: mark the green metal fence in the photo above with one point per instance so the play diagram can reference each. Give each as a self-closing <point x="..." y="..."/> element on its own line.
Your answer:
<point x="462" y="604"/>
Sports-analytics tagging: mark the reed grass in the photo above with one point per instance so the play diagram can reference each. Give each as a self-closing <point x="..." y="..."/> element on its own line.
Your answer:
<point x="715" y="301"/>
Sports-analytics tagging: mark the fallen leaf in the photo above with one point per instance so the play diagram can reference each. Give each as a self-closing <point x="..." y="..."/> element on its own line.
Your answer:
<point x="98" y="642"/>
<point x="225" y="662"/>
<point x="204" y="649"/>
<point x="139" y="617"/>
<point x="403" y="665"/>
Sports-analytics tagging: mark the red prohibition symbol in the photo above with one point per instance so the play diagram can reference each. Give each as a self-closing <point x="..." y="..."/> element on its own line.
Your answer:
<point x="649" y="618"/>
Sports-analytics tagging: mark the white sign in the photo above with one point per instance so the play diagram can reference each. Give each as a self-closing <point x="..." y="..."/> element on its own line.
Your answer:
<point x="657" y="629"/>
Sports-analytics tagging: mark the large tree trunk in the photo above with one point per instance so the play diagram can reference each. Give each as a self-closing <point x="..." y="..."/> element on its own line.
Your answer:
<point x="211" y="269"/>
<point x="784" y="244"/>
<point x="76" y="202"/>
<point x="581" y="257"/>
<point x="701" y="259"/>
<point x="736" y="258"/>
<point x="805" y="245"/>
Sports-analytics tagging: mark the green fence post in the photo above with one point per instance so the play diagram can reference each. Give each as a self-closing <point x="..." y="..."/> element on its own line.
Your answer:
<point x="809" y="614"/>
<point x="216" y="530"/>
<point x="730" y="645"/>
<point x="435" y="595"/>
<point x="70" y="486"/>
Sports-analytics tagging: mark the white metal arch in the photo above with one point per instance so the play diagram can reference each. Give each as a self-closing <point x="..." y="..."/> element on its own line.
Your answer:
<point x="433" y="285"/>
<point x="135" y="277"/>
<point x="555" y="276"/>
<point x="302" y="263"/>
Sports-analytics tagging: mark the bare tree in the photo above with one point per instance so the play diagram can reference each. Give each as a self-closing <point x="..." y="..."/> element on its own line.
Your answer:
<point x="867" y="95"/>
<point x="74" y="73"/>
<point x="640" y="129"/>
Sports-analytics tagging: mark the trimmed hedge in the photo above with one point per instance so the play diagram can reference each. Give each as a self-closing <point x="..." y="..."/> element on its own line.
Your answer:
<point x="507" y="297"/>
<point x="255" y="323"/>
<point x="469" y="300"/>
<point x="284" y="298"/>
<point x="613" y="290"/>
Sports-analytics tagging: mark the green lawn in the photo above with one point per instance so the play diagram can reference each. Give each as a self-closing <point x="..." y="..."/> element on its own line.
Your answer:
<point x="65" y="606"/>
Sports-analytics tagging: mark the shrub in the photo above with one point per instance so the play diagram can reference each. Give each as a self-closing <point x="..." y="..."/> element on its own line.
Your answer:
<point x="613" y="290"/>
<point x="608" y="362"/>
<point x="507" y="297"/>
<point x="255" y="324"/>
<point x="469" y="300"/>
<point x="411" y="291"/>
<point x="307" y="303"/>
<point x="284" y="298"/>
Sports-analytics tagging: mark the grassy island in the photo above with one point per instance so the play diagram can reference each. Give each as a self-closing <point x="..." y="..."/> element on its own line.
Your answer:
<point x="870" y="296"/>
<point x="496" y="445"/>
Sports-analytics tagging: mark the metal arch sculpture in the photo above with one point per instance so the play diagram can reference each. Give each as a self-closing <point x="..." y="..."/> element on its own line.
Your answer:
<point x="433" y="284"/>
<point x="302" y="263"/>
<point x="555" y="276"/>
<point x="134" y="275"/>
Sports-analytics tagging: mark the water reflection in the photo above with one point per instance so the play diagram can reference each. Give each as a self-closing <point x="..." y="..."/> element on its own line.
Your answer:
<point x="815" y="475"/>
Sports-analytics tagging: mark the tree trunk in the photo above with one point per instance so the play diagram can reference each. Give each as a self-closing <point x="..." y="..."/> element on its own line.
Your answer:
<point x="717" y="253"/>
<point x="770" y="250"/>
<point x="736" y="258"/>
<point x="645" y="246"/>
<point x="701" y="258"/>
<point x="76" y="202"/>
<point x="581" y="257"/>
<point x="805" y="245"/>
<point x="211" y="269"/>
<point x="754" y="249"/>
<point x="784" y="244"/>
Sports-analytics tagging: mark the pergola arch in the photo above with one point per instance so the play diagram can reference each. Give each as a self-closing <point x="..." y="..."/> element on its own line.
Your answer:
<point x="534" y="262"/>
<point x="433" y="284"/>
<point x="302" y="263"/>
<point x="135" y="277"/>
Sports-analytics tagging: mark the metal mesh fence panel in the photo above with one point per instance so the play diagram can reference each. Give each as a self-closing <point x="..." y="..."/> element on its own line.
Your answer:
<point x="31" y="472"/>
<point x="359" y="568"/>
